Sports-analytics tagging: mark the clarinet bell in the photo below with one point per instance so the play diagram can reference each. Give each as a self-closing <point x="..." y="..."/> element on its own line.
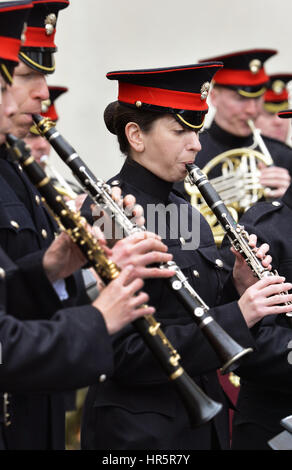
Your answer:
<point x="200" y="408"/>
<point x="227" y="349"/>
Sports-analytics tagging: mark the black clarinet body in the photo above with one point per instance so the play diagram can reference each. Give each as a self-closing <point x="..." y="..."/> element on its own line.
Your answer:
<point x="199" y="406"/>
<point x="227" y="349"/>
<point x="238" y="236"/>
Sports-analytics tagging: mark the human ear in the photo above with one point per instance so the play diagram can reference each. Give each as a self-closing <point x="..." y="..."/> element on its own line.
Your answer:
<point x="214" y="96"/>
<point x="135" y="136"/>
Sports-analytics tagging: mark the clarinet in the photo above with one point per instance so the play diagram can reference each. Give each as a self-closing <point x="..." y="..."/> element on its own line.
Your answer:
<point x="199" y="406"/>
<point x="227" y="349"/>
<point x="236" y="233"/>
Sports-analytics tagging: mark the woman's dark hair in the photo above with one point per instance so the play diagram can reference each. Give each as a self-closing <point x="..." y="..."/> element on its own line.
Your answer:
<point x="116" y="117"/>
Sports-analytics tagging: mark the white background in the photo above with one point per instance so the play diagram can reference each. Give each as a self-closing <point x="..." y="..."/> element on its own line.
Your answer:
<point x="97" y="36"/>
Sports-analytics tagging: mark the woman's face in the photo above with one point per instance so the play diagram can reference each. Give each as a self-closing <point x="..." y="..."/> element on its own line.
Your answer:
<point x="167" y="147"/>
<point x="7" y="109"/>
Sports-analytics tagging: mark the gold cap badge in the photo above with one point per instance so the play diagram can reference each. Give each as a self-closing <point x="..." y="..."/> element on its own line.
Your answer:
<point x="22" y="37"/>
<point x="278" y="86"/>
<point x="255" y="66"/>
<point x="205" y="90"/>
<point x="45" y="105"/>
<point x="50" y="23"/>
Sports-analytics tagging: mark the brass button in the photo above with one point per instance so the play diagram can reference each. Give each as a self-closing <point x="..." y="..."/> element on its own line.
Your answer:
<point x="102" y="378"/>
<point x="219" y="263"/>
<point x="115" y="183"/>
<point x="14" y="224"/>
<point x="138" y="104"/>
<point x="44" y="233"/>
<point x="276" y="203"/>
<point x="2" y="273"/>
<point x="37" y="199"/>
<point x="196" y="273"/>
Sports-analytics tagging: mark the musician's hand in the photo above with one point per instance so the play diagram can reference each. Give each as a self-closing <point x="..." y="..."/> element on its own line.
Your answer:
<point x="263" y="298"/>
<point x="119" y="305"/>
<point x="62" y="258"/>
<point x="112" y="231"/>
<point x="141" y="250"/>
<point x="79" y="200"/>
<point x="275" y="179"/>
<point x="134" y="211"/>
<point x="243" y="276"/>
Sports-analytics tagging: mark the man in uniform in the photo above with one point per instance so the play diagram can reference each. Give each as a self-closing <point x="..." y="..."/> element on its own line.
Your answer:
<point x="237" y="95"/>
<point x="265" y="396"/>
<point x="41" y="147"/>
<point x="38" y="354"/>
<point x="276" y="99"/>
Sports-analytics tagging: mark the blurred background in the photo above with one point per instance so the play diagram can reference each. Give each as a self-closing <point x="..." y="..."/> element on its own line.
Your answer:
<point x="95" y="37"/>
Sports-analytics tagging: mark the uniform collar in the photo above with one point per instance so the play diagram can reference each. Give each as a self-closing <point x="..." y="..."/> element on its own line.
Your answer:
<point x="287" y="198"/>
<point x="144" y="180"/>
<point x="225" y="137"/>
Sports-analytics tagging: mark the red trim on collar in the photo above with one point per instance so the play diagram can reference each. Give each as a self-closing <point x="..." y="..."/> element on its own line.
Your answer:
<point x="130" y="93"/>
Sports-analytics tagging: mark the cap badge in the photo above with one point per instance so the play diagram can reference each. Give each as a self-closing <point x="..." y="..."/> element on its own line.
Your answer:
<point x="278" y="86"/>
<point x="22" y="37"/>
<point x="204" y="90"/>
<point x="50" y="23"/>
<point x="45" y="105"/>
<point x="255" y="66"/>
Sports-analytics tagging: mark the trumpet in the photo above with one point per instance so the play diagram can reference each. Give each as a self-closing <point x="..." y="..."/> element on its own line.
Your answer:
<point x="236" y="233"/>
<point x="199" y="406"/>
<point x="227" y="349"/>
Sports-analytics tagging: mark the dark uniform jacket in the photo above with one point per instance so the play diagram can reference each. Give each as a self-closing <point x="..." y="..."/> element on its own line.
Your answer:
<point x="215" y="140"/>
<point x="266" y="377"/>
<point x="26" y="230"/>
<point x="41" y="358"/>
<point x="139" y="408"/>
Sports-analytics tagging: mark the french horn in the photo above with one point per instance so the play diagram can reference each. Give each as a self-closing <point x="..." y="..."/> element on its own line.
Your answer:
<point x="238" y="184"/>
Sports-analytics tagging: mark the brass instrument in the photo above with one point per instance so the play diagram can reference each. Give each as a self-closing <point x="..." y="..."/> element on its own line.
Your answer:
<point x="199" y="406"/>
<point x="238" y="185"/>
<point x="227" y="349"/>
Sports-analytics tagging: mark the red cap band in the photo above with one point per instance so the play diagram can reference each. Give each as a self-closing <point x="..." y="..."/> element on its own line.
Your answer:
<point x="130" y="93"/>
<point x="276" y="97"/>
<point x="51" y="113"/>
<point x="9" y="48"/>
<point x="240" y="77"/>
<point x="37" y="37"/>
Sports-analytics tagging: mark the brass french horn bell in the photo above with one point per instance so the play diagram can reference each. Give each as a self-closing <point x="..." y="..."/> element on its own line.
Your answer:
<point x="238" y="184"/>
